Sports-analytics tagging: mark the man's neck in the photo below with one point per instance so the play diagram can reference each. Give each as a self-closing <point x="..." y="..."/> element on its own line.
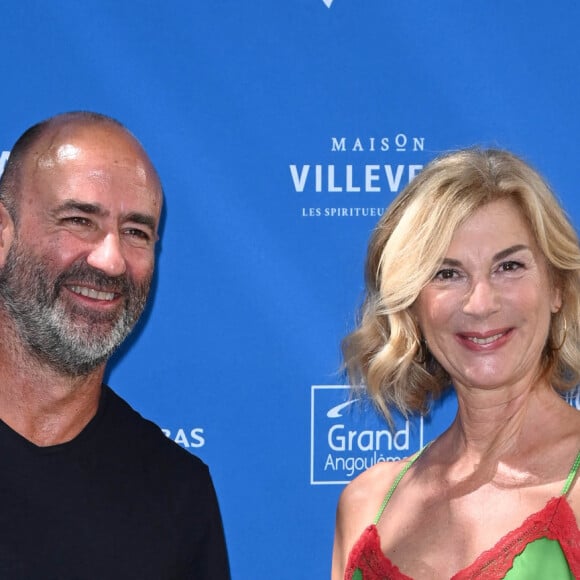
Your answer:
<point x="42" y="405"/>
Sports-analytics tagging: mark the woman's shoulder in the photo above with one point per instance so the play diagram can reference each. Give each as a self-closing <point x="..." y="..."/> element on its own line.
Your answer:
<point x="358" y="506"/>
<point x="362" y="497"/>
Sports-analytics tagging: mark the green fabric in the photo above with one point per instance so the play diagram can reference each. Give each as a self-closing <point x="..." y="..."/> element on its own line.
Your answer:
<point x="542" y="559"/>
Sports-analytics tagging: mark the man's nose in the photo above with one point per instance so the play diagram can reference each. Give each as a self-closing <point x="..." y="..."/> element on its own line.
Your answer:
<point x="107" y="256"/>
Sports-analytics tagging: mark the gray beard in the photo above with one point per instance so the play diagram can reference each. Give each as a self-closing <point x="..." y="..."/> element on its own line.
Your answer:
<point x="72" y="340"/>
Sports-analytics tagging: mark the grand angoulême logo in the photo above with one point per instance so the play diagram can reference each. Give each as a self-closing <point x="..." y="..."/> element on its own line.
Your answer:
<point x="347" y="436"/>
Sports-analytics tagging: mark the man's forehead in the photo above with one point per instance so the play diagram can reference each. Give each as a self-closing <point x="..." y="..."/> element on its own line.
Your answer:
<point x="63" y="152"/>
<point x="97" y="146"/>
<point x="85" y="153"/>
<point x="73" y="141"/>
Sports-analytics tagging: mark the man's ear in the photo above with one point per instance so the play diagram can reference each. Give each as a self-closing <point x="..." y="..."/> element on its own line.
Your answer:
<point x="6" y="233"/>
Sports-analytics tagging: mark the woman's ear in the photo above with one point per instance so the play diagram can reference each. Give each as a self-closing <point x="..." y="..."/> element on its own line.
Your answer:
<point x="556" y="301"/>
<point x="6" y="233"/>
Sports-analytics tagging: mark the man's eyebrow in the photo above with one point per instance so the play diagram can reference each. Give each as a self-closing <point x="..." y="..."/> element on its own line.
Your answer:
<point x="499" y="256"/>
<point x="99" y="210"/>
<point x="143" y="219"/>
<point x="89" y="208"/>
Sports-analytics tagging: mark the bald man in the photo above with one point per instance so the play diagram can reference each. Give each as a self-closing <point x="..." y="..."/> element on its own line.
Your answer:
<point x="88" y="488"/>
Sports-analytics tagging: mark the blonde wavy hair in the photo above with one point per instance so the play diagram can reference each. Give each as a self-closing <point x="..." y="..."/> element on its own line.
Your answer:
<point x="385" y="353"/>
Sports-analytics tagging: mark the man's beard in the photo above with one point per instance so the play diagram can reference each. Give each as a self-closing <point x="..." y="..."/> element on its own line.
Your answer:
<point x="69" y="337"/>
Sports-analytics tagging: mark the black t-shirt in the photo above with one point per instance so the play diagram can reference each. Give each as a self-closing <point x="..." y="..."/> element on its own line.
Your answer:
<point x="118" y="501"/>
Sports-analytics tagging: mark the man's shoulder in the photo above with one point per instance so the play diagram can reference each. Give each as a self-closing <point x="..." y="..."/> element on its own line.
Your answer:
<point x="142" y="436"/>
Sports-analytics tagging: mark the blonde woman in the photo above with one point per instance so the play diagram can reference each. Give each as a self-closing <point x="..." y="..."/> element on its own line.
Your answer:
<point x="472" y="283"/>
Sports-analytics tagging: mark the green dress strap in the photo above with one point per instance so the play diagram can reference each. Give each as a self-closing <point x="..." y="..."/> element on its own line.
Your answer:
<point x="397" y="481"/>
<point x="571" y="475"/>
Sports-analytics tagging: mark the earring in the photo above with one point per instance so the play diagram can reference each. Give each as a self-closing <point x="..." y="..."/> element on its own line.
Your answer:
<point x="564" y="337"/>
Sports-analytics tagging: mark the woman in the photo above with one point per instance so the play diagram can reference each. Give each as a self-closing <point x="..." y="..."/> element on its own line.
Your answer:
<point x="473" y="282"/>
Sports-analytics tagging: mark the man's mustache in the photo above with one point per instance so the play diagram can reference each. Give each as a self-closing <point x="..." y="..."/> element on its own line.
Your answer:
<point x="83" y="274"/>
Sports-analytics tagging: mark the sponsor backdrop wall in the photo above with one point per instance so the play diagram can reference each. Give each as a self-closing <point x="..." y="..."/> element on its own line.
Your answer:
<point x="281" y="130"/>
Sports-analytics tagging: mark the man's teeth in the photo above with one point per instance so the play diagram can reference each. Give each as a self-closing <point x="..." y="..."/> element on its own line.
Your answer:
<point x="90" y="293"/>
<point x="487" y="340"/>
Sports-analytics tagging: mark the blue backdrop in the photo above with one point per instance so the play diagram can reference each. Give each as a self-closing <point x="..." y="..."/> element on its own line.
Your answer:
<point x="281" y="130"/>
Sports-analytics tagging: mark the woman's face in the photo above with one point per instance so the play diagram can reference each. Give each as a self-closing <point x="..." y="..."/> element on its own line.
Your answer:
<point x="486" y="314"/>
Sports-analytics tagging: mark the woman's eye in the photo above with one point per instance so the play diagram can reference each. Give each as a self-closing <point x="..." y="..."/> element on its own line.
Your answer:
<point x="510" y="266"/>
<point x="446" y="274"/>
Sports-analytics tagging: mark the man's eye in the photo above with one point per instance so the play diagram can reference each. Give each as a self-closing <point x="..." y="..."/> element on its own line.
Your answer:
<point x="77" y="221"/>
<point x="138" y="234"/>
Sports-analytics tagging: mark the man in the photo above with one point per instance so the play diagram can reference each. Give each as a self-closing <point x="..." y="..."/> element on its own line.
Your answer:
<point x="88" y="488"/>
